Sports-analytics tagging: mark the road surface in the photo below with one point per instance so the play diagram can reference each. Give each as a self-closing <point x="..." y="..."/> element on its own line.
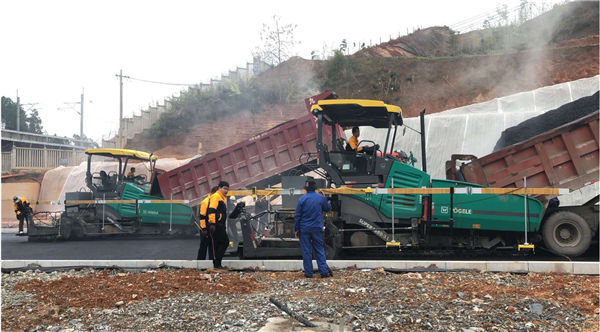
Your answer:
<point x="17" y="247"/>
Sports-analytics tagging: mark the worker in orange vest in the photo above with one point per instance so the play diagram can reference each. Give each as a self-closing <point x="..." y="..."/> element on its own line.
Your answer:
<point x="205" y="241"/>
<point x="23" y="211"/>
<point x="217" y="222"/>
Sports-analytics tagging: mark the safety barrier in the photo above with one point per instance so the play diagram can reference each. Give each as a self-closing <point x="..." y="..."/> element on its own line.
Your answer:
<point x="39" y="159"/>
<point x="5" y="161"/>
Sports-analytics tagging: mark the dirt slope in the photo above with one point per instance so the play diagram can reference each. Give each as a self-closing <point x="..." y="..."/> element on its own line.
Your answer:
<point x="559" y="46"/>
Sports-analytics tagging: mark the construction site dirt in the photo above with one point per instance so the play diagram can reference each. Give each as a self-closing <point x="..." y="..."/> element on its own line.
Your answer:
<point x="361" y="300"/>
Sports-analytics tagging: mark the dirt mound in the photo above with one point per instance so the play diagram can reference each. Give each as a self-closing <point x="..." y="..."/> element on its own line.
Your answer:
<point x="105" y="290"/>
<point x="428" y="42"/>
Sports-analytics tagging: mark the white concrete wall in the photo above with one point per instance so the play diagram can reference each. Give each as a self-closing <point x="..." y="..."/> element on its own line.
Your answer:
<point x="475" y="129"/>
<point x="138" y="123"/>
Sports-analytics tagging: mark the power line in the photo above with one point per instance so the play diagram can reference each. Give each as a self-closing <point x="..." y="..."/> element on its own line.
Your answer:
<point x="157" y="82"/>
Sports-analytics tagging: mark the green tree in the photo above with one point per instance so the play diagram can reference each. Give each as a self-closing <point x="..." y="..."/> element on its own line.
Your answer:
<point x="343" y="46"/>
<point x="336" y="70"/>
<point x="277" y="41"/>
<point x="31" y="123"/>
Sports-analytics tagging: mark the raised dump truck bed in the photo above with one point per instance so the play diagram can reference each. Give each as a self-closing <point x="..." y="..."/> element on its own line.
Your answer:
<point x="565" y="157"/>
<point x="257" y="161"/>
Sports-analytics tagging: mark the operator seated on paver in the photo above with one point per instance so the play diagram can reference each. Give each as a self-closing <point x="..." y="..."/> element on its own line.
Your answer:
<point x="105" y="181"/>
<point x="131" y="174"/>
<point x="23" y="211"/>
<point x="352" y="144"/>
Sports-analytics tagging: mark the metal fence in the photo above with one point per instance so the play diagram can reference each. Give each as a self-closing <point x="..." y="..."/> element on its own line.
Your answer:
<point x="5" y="161"/>
<point x="39" y="159"/>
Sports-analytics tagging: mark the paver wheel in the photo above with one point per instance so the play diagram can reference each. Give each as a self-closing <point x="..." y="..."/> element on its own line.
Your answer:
<point x="567" y="233"/>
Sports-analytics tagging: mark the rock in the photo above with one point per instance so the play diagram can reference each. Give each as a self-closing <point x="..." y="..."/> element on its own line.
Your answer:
<point x="390" y="319"/>
<point x="510" y="308"/>
<point x="536" y="308"/>
<point x="461" y="295"/>
<point x="120" y="303"/>
<point x="231" y="312"/>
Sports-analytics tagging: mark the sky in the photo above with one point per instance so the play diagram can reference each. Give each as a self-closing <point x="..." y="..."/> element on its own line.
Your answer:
<point x="55" y="50"/>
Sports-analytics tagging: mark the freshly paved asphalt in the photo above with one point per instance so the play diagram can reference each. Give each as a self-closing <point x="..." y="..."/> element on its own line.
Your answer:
<point x="17" y="247"/>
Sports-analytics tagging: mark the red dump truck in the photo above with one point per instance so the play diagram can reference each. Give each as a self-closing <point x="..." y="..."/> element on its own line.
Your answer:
<point x="287" y="149"/>
<point x="564" y="157"/>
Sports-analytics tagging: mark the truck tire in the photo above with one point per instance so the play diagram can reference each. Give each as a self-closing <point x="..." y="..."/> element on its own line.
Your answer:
<point x="567" y="233"/>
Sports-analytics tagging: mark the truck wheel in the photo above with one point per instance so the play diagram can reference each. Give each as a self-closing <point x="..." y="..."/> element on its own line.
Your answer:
<point x="567" y="233"/>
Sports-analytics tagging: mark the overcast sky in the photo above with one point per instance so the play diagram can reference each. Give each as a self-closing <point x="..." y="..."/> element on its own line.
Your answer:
<point x="53" y="49"/>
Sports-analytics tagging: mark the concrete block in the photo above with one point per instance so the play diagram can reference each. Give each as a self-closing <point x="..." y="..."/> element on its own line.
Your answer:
<point x="551" y="97"/>
<point x="244" y="264"/>
<point x="285" y="265"/>
<point x="338" y="264"/>
<point x="124" y="263"/>
<point x="367" y="264"/>
<point x="425" y="264"/>
<point x="485" y="107"/>
<point x="474" y="265"/>
<point x="184" y="264"/>
<point x="546" y="267"/>
<point x="591" y="268"/>
<point x="444" y="137"/>
<point x="203" y="265"/>
<point x="508" y="266"/>
<point x="12" y="264"/>
<point x="481" y="134"/>
<point x="584" y="87"/>
<point x="517" y="103"/>
<point x="512" y="119"/>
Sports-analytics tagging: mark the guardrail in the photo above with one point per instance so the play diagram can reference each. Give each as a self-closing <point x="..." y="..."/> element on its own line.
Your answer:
<point x="6" y="162"/>
<point x="39" y="159"/>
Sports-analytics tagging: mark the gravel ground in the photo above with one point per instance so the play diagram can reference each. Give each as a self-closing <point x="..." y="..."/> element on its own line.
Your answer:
<point x="366" y="300"/>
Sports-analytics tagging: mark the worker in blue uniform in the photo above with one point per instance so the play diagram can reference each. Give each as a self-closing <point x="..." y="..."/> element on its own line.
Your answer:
<point x="308" y="225"/>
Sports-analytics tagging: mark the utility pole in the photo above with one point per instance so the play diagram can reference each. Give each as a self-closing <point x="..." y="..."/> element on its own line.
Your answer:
<point x="80" y="112"/>
<point x="81" y="118"/>
<point x="120" y="135"/>
<point x="18" y="112"/>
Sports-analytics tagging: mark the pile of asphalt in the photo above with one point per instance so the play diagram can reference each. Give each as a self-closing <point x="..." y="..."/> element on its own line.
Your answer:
<point x="552" y="119"/>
